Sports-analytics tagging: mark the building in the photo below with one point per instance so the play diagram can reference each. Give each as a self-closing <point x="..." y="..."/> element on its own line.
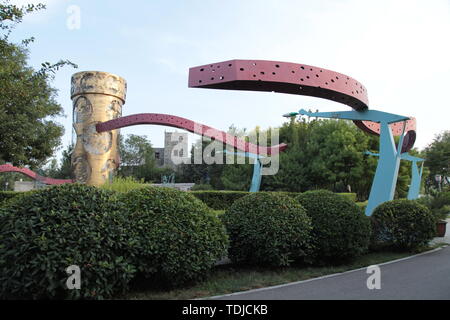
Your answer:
<point x="175" y="150"/>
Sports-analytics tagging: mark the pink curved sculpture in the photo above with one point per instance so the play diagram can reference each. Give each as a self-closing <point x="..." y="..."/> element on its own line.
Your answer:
<point x="292" y="78"/>
<point x="33" y="175"/>
<point x="191" y="126"/>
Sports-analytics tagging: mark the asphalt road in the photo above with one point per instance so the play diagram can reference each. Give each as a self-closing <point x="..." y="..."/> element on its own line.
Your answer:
<point x="422" y="277"/>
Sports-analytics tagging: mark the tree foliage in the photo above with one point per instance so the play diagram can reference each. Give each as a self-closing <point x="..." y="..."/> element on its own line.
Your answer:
<point x="28" y="107"/>
<point x="438" y="157"/>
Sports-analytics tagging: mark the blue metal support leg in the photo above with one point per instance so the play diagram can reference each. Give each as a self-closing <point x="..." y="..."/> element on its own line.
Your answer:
<point x="416" y="175"/>
<point x="385" y="180"/>
<point x="257" y="168"/>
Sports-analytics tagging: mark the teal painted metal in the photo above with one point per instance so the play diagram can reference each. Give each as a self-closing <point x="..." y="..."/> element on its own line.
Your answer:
<point x="256" y="178"/>
<point x="416" y="174"/>
<point x="384" y="182"/>
<point x="257" y="168"/>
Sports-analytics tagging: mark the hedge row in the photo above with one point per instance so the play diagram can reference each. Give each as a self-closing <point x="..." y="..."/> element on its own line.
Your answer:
<point x="6" y="195"/>
<point x="223" y="199"/>
<point x="160" y="234"/>
<point x="268" y="229"/>
<point x="276" y="229"/>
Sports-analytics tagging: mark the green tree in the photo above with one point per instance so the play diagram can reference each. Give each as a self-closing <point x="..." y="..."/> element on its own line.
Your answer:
<point x="61" y="170"/>
<point x="438" y="158"/>
<point x="138" y="159"/>
<point x="29" y="133"/>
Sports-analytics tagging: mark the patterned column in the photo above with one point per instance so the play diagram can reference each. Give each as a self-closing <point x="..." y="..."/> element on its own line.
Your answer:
<point x="97" y="97"/>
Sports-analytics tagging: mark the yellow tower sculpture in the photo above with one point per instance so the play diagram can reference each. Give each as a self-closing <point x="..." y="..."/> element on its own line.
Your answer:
<point x="97" y="97"/>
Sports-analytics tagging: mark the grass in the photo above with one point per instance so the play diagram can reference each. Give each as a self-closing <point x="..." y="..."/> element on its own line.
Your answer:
<point x="228" y="278"/>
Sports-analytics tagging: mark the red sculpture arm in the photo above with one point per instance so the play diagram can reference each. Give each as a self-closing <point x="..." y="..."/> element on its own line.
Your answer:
<point x="292" y="78"/>
<point x="191" y="126"/>
<point x="33" y="175"/>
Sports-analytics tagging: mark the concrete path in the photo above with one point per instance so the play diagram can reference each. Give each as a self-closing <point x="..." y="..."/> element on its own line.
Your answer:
<point x="425" y="276"/>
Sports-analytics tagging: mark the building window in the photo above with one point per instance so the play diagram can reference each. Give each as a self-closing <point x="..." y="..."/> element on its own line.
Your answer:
<point x="157" y="155"/>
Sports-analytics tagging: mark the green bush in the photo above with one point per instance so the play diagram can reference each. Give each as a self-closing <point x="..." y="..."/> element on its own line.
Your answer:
<point x="402" y="224"/>
<point x="177" y="239"/>
<point x="440" y="205"/>
<point x="340" y="230"/>
<point x="219" y="200"/>
<point x="267" y="229"/>
<point x="7" y="195"/>
<point x="350" y="196"/>
<point x="51" y="229"/>
<point x="223" y="199"/>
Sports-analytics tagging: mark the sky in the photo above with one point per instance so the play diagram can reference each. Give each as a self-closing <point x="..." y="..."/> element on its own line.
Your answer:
<point x="399" y="49"/>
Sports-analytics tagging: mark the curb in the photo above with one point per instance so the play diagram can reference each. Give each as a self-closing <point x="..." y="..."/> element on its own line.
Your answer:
<point x="318" y="278"/>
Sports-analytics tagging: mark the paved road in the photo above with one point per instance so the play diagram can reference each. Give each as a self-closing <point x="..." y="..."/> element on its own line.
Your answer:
<point x="426" y="276"/>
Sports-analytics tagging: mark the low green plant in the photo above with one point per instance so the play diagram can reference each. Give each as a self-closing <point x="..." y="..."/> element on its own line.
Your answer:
<point x="124" y="184"/>
<point x="340" y="229"/>
<point x="267" y="229"/>
<point x="51" y="229"/>
<point x="350" y="196"/>
<point x="176" y="238"/>
<point x="439" y="204"/>
<point x="402" y="224"/>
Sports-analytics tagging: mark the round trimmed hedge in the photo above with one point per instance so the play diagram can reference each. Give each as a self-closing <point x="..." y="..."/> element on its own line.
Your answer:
<point x="51" y="229"/>
<point x="267" y="229"/>
<point x="340" y="229"/>
<point x="176" y="237"/>
<point x="402" y="224"/>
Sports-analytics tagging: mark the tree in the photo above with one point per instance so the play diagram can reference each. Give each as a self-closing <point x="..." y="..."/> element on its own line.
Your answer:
<point x="63" y="170"/>
<point x="138" y="159"/>
<point x="29" y="133"/>
<point x="438" y="157"/>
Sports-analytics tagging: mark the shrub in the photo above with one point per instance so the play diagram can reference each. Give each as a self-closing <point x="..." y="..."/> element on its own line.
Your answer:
<point x="223" y="199"/>
<point x="7" y="195"/>
<point x="440" y="205"/>
<point x="267" y="229"/>
<point x="340" y="230"/>
<point x="219" y="200"/>
<point x="51" y="229"/>
<point x="177" y="239"/>
<point x="402" y="224"/>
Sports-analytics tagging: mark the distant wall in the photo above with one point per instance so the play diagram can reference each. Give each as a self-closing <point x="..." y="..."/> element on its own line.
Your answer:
<point x="24" y="186"/>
